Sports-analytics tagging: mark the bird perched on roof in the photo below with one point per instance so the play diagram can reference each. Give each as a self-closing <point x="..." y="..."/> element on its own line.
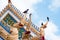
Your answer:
<point x="48" y="18"/>
<point x="42" y="23"/>
<point x="26" y="11"/>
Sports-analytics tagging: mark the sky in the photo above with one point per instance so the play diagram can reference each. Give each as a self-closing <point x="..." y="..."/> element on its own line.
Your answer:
<point x="40" y="9"/>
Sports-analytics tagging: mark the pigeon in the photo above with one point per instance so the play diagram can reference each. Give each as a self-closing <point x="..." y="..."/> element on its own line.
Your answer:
<point x="26" y="11"/>
<point x="41" y="23"/>
<point x="48" y="18"/>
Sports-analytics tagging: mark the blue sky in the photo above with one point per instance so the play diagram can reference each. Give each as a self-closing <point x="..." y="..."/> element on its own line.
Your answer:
<point x="43" y="11"/>
<point x="40" y="9"/>
<point x="51" y="9"/>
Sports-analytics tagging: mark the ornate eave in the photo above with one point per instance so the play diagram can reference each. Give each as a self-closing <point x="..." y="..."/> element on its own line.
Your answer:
<point x="4" y="10"/>
<point x="13" y="9"/>
<point x="1" y="33"/>
<point x="19" y="15"/>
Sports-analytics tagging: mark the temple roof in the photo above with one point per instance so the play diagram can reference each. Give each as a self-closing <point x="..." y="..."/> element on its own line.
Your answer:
<point x="16" y="12"/>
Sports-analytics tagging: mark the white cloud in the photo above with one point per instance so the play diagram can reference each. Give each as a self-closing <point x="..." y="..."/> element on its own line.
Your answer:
<point x="54" y="5"/>
<point x="50" y="32"/>
<point x="24" y="4"/>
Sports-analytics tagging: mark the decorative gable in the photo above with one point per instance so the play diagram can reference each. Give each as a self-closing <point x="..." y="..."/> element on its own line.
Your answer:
<point x="10" y="15"/>
<point x="13" y="10"/>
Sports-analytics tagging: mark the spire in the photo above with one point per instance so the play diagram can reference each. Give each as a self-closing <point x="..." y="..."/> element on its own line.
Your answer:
<point x="9" y="1"/>
<point x="30" y="17"/>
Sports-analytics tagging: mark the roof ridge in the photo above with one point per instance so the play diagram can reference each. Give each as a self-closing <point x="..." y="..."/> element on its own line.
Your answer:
<point x="3" y="10"/>
<point x="37" y="28"/>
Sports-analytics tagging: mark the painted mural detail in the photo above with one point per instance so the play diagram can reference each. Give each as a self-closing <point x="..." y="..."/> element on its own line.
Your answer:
<point x="9" y="20"/>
